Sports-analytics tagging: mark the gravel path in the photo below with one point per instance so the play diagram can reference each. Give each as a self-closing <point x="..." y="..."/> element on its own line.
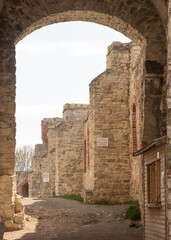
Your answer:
<point x="60" y="219"/>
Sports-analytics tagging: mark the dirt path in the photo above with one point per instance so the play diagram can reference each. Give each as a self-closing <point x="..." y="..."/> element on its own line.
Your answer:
<point x="59" y="219"/>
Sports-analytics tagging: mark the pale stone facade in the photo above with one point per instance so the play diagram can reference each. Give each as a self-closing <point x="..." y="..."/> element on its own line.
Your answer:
<point x="22" y="183"/>
<point x="112" y="173"/>
<point x="70" y="150"/>
<point x="61" y="156"/>
<point x="42" y="162"/>
<point x="91" y="153"/>
<point x="109" y="121"/>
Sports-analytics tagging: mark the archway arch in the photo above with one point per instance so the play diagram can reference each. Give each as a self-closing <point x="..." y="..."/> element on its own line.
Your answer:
<point x="128" y="17"/>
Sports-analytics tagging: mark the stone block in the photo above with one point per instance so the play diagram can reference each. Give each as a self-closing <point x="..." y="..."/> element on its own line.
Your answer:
<point x="9" y="211"/>
<point x="18" y="205"/>
<point x="11" y="226"/>
<point x="7" y="147"/>
<point x="19" y="218"/>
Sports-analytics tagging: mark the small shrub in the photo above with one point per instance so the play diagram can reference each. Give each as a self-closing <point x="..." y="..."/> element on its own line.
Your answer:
<point x="133" y="212"/>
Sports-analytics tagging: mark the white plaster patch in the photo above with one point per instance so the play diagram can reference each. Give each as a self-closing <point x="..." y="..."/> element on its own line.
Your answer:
<point x="102" y="142"/>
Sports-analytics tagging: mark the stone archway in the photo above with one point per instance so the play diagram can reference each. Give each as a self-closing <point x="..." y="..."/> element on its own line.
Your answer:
<point x="139" y="20"/>
<point x="24" y="189"/>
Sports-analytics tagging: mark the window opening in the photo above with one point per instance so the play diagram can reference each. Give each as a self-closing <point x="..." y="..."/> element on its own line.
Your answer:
<point x="154" y="182"/>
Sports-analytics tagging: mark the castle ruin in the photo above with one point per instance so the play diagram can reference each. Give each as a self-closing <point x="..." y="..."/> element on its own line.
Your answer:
<point x="143" y="94"/>
<point x="89" y="150"/>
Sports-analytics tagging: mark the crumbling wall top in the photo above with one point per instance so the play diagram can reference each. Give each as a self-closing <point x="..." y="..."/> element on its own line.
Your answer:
<point x="75" y="112"/>
<point x="118" y="46"/>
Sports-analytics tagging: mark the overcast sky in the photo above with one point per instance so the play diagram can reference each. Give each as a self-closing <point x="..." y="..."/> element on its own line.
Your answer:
<point x="55" y="65"/>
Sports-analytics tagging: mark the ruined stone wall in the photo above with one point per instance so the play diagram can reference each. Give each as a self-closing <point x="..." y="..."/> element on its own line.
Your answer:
<point x="154" y="109"/>
<point x="47" y="123"/>
<point x="52" y="158"/>
<point x="88" y="175"/>
<point x="39" y="165"/>
<point x="11" y="208"/>
<point x="49" y="166"/>
<point x="136" y="104"/>
<point x="43" y="162"/>
<point x="70" y="150"/>
<point x="21" y="179"/>
<point x="61" y="157"/>
<point x="110" y="128"/>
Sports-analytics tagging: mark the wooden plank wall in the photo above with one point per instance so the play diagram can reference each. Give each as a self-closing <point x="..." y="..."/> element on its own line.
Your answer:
<point x="155" y="218"/>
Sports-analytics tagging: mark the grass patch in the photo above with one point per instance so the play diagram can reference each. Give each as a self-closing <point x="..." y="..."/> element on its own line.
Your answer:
<point x="71" y="197"/>
<point x="106" y="203"/>
<point x="116" y="203"/>
<point x="133" y="212"/>
<point x="131" y="202"/>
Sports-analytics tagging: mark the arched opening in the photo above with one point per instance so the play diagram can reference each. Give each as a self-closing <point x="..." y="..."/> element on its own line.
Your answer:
<point x="25" y="190"/>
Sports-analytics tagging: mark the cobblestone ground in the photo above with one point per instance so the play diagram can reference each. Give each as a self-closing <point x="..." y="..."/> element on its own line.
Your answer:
<point x="59" y="219"/>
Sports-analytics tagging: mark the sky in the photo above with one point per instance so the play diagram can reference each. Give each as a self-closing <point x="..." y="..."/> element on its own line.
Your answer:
<point x="54" y="66"/>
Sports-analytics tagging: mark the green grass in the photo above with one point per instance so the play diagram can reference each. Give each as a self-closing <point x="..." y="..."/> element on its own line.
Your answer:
<point x="131" y="202"/>
<point x="106" y="203"/>
<point x="71" y="197"/>
<point x="133" y="212"/>
<point x="116" y="203"/>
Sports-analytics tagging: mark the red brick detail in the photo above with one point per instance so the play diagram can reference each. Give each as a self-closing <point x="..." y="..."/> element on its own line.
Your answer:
<point x="134" y="129"/>
<point x="85" y="154"/>
<point x="53" y="150"/>
<point x="88" y="149"/>
<point x="21" y="186"/>
<point x="44" y="156"/>
<point x="44" y="132"/>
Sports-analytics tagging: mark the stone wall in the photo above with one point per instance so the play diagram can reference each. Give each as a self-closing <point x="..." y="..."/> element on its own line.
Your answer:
<point x="61" y="157"/>
<point x="110" y="128"/>
<point x="91" y="153"/>
<point x="70" y="150"/>
<point x="11" y="209"/>
<point x="21" y="180"/>
<point x="136" y="104"/>
<point x="39" y="161"/>
<point x="43" y="162"/>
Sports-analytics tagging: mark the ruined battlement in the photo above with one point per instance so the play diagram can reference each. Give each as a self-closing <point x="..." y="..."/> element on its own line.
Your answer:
<point x="75" y="112"/>
<point x="117" y="53"/>
<point x="40" y="149"/>
<point x="48" y="123"/>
